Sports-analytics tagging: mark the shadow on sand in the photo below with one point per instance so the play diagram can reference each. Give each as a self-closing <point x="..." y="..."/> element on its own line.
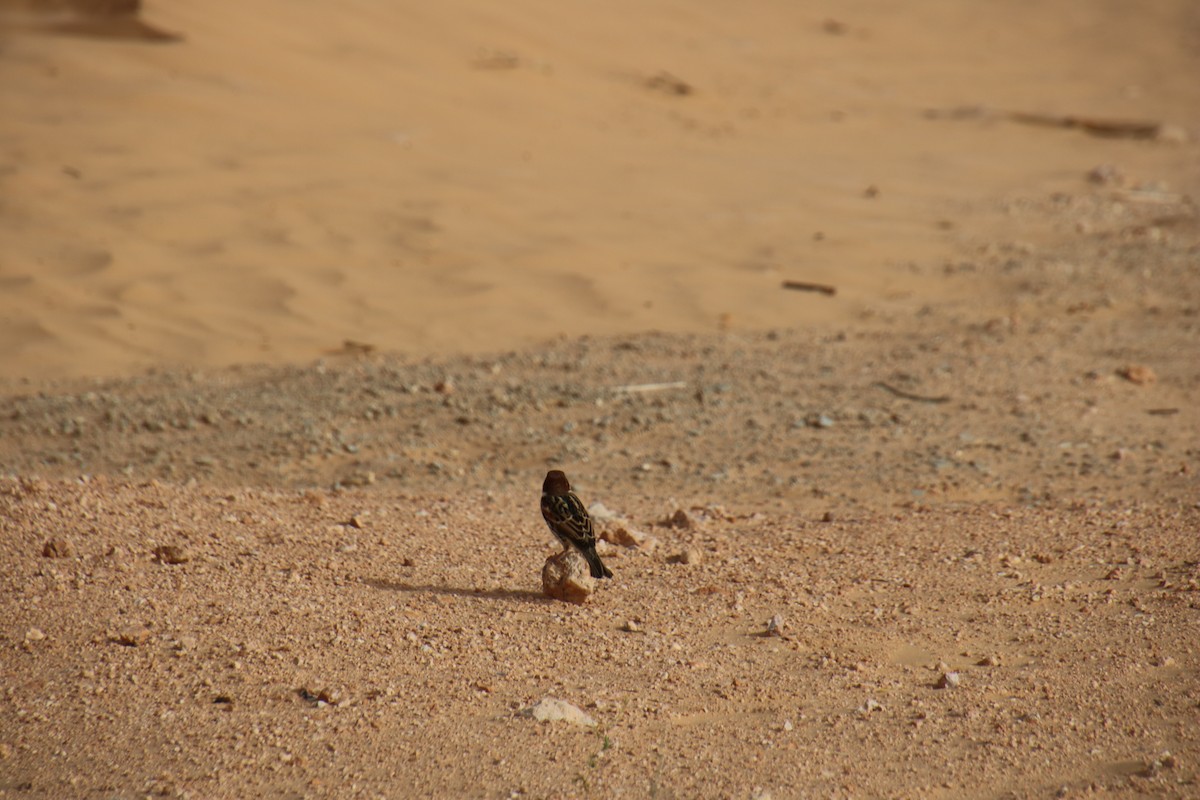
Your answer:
<point x="454" y="591"/>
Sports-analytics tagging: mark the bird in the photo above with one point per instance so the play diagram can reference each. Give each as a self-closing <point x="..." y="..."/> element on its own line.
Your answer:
<point x="564" y="512"/>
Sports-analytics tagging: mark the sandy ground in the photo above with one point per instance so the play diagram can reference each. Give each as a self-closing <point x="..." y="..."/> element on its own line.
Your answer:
<point x="245" y="558"/>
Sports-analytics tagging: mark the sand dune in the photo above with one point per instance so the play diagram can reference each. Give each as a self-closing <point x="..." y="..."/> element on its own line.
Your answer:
<point x="458" y="178"/>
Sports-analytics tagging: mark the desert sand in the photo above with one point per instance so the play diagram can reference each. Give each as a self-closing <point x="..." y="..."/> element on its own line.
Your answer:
<point x="299" y="302"/>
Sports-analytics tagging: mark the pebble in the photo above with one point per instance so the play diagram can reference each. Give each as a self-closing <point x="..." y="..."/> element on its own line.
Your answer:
<point x="57" y="548"/>
<point x="775" y="626"/>
<point x="551" y="709"/>
<point x="172" y="554"/>
<point x="871" y="705"/>
<point x="949" y="680"/>
<point x="680" y="519"/>
<point x="691" y="556"/>
<point x="631" y="626"/>
<point x="132" y="636"/>
<point x="34" y="635"/>
<point x="1138" y="374"/>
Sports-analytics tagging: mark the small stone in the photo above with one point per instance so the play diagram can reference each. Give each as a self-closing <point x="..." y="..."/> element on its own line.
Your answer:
<point x="949" y="680"/>
<point x="631" y="626"/>
<point x="551" y="709"/>
<point x="132" y="636"/>
<point x="871" y="705"/>
<point x="775" y="626"/>
<point x="680" y="519"/>
<point x="1138" y="374"/>
<point x="827" y="517"/>
<point x="171" y="554"/>
<point x="57" y="548"/>
<point x="620" y="534"/>
<point x="34" y="635"/>
<point x="691" y="556"/>
<point x="988" y="661"/>
<point x="566" y="577"/>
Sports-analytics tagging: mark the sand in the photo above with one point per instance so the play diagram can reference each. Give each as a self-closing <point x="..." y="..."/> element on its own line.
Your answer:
<point x="300" y="301"/>
<point x="452" y="179"/>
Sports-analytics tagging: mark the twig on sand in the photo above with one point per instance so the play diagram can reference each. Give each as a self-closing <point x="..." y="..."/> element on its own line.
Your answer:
<point x="805" y="286"/>
<point x="920" y="398"/>
<point x="635" y="388"/>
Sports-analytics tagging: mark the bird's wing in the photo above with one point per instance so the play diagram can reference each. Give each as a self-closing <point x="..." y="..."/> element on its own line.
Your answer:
<point x="565" y="512"/>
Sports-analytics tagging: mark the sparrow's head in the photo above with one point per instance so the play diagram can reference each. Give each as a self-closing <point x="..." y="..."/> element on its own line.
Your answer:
<point x="556" y="482"/>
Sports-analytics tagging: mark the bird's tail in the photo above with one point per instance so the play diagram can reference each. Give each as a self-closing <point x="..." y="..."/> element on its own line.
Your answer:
<point x="595" y="564"/>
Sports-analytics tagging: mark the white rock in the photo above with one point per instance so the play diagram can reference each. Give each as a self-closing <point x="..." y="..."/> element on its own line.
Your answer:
<point x="551" y="709"/>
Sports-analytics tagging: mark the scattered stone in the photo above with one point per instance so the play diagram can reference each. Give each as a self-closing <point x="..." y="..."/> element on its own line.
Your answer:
<point x="827" y="517"/>
<point x="692" y="556"/>
<point x="1139" y="374"/>
<point x="775" y="626"/>
<point x="1164" y="761"/>
<point x="132" y="636"/>
<point x="623" y="535"/>
<point x="631" y="626"/>
<point x="34" y="635"/>
<point x="171" y="554"/>
<point x="57" y="548"/>
<point x="551" y="709"/>
<point x="566" y="577"/>
<point x="680" y="519"/>
<point x="988" y="661"/>
<point x="871" y="705"/>
<point x="948" y="680"/>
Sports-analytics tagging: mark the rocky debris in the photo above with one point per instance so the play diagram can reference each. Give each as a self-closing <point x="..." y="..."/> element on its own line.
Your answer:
<point x="1139" y="374"/>
<point x="632" y="626"/>
<point x="566" y="577"/>
<point x="679" y="519"/>
<point x="1164" y="761"/>
<point x="322" y="697"/>
<point x="615" y="529"/>
<point x="34" y="635"/>
<point x="690" y="555"/>
<point x="131" y="636"/>
<point x="551" y="709"/>
<point x="948" y="680"/>
<point x="872" y="705"/>
<point x="988" y="661"/>
<point x="774" y="626"/>
<point x="171" y="554"/>
<point x="57" y="548"/>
